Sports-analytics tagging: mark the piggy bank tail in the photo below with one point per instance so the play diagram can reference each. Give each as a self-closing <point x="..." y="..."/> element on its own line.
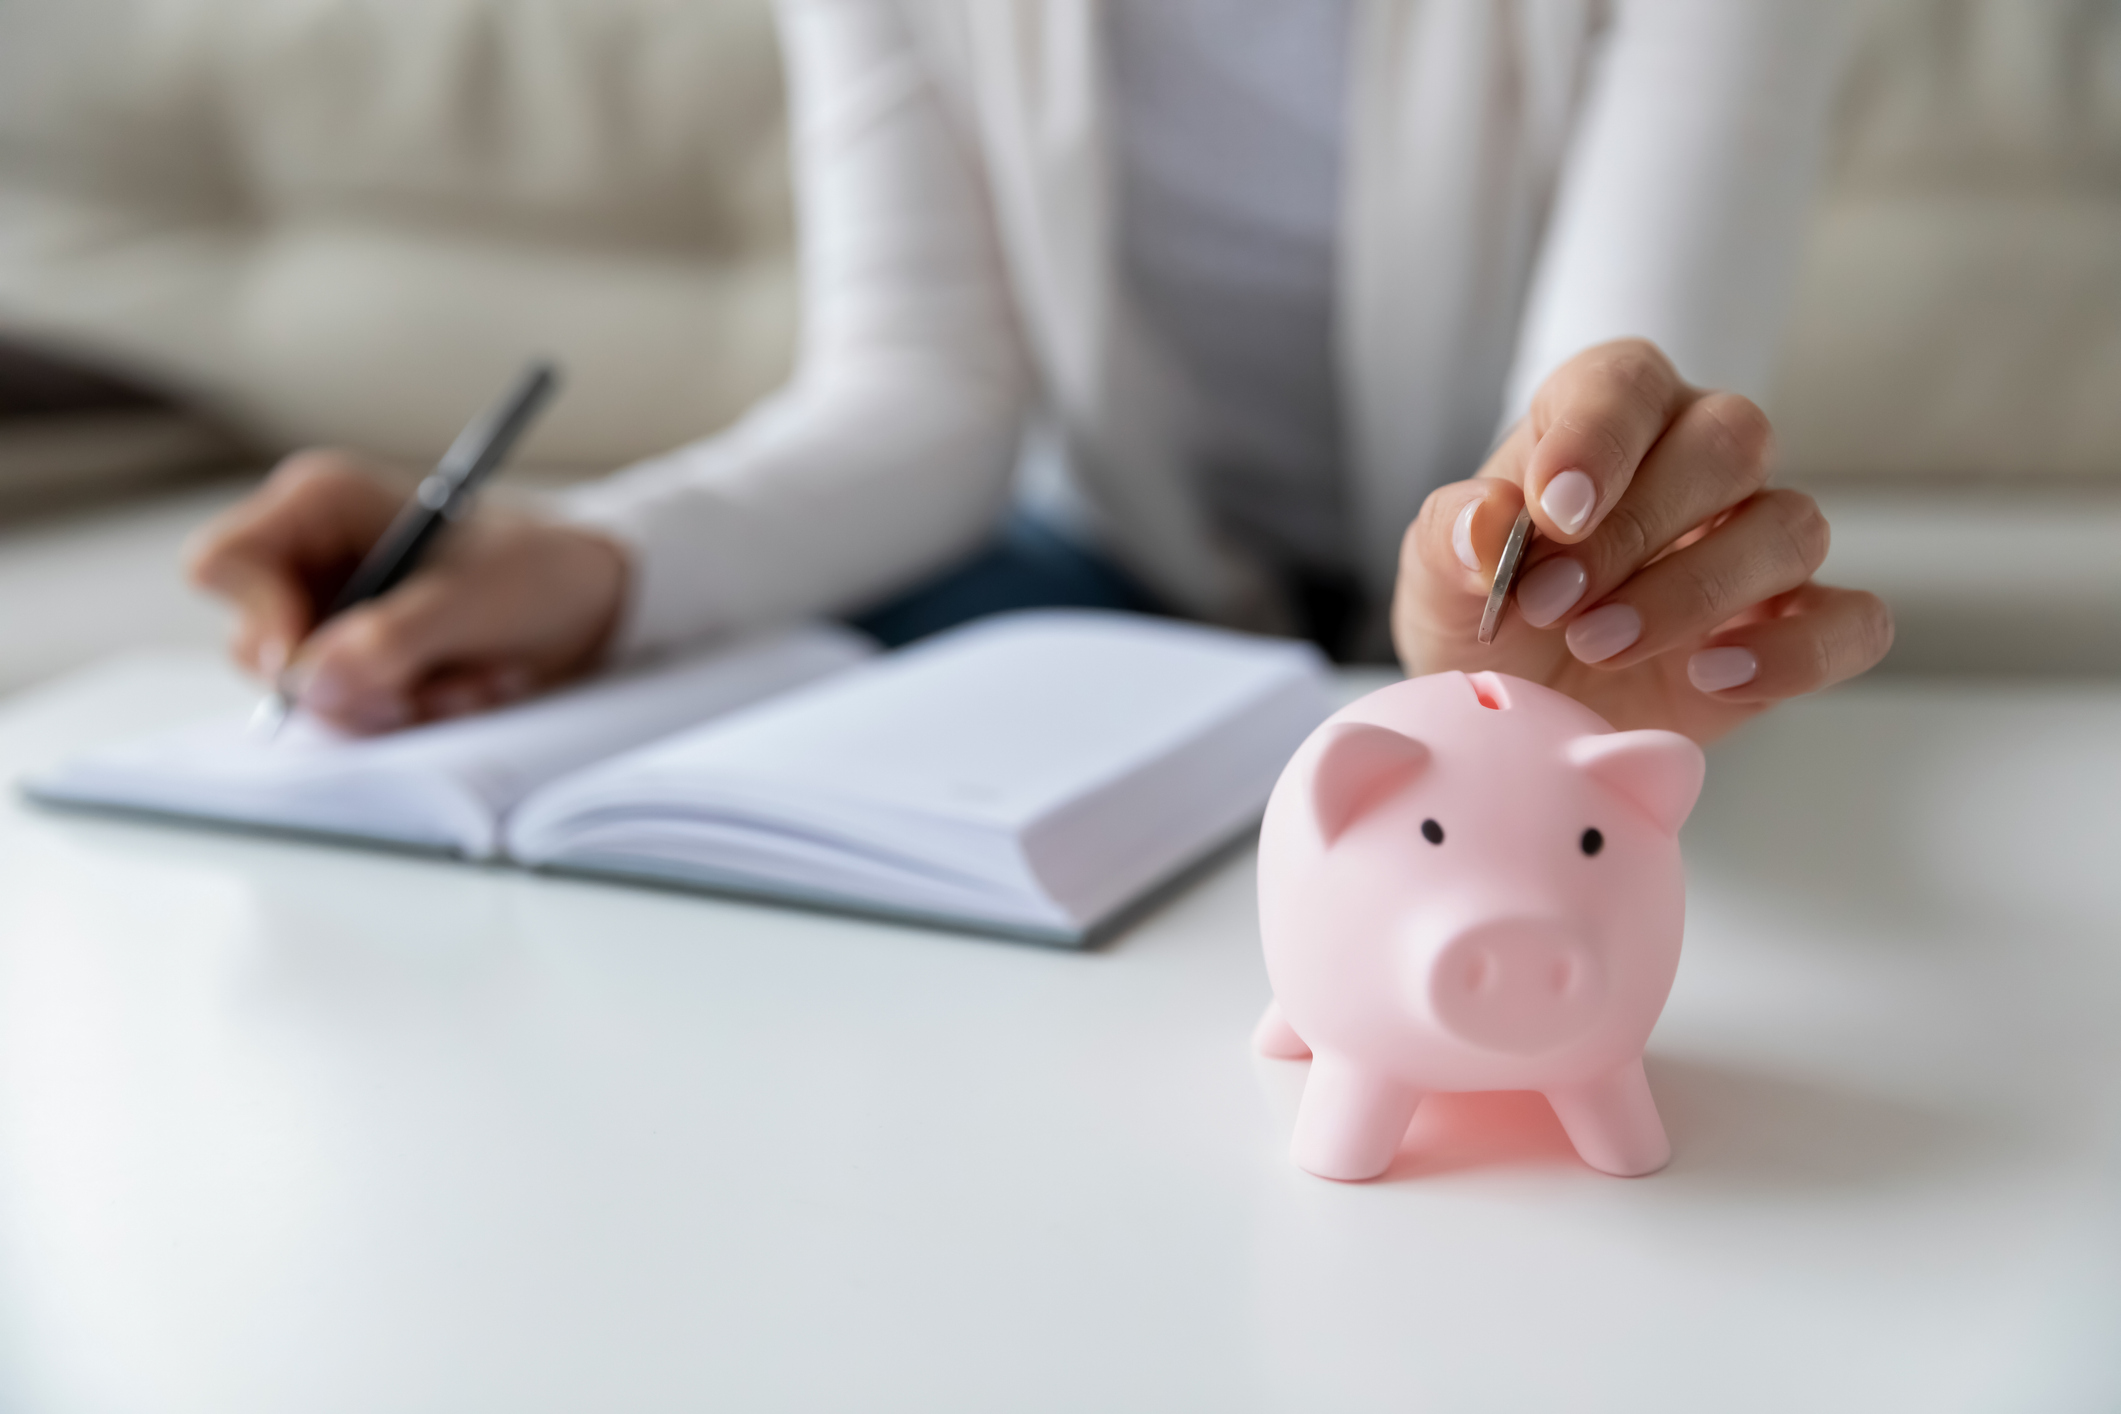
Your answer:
<point x="1275" y="1037"/>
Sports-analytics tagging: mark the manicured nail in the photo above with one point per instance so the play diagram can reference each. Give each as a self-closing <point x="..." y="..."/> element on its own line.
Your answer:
<point x="1603" y="632"/>
<point x="384" y="715"/>
<point x="326" y="691"/>
<point x="1549" y="590"/>
<point x="458" y="700"/>
<point x="1714" y="669"/>
<point x="1462" y="536"/>
<point x="1569" y="500"/>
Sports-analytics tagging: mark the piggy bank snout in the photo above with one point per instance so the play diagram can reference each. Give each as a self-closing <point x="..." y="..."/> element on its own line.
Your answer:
<point x="1520" y="986"/>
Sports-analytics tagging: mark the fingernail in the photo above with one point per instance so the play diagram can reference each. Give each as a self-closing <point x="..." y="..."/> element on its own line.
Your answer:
<point x="326" y="691"/>
<point x="1603" y="632"/>
<point x="460" y="700"/>
<point x="1462" y="536"/>
<point x="1549" y="590"/>
<point x="1569" y="500"/>
<point x="1714" y="669"/>
<point x="272" y="657"/>
<point x="378" y="714"/>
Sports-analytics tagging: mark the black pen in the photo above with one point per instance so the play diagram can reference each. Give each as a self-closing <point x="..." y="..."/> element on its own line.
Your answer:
<point x="442" y="497"/>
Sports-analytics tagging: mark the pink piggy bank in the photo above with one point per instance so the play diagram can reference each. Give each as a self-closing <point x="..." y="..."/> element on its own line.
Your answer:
<point x="1473" y="883"/>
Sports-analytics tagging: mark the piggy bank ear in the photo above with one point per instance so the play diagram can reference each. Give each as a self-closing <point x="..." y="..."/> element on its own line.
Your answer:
<point x="1360" y="766"/>
<point x="1659" y="771"/>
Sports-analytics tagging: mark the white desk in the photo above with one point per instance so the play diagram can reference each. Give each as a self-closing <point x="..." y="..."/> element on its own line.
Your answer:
<point x="287" y="1128"/>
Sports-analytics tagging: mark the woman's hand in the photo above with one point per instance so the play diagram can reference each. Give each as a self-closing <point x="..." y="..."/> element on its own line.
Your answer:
<point x="1667" y="587"/>
<point x="506" y="605"/>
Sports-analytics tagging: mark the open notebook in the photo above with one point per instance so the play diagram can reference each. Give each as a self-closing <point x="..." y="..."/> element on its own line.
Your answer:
<point x="1032" y="774"/>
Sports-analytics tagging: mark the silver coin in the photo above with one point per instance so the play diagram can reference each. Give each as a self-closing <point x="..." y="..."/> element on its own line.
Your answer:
<point x="1506" y="575"/>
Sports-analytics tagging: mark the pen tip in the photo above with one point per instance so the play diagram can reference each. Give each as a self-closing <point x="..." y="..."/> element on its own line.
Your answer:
<point x="269" y="716"/>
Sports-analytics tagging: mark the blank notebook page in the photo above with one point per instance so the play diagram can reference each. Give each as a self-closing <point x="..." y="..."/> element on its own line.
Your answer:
<point x="444" y="786"/>
<point x="950" y="756"/>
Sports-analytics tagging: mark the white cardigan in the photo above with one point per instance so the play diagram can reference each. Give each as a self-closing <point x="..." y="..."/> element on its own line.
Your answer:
<point x="1524" y="178"/>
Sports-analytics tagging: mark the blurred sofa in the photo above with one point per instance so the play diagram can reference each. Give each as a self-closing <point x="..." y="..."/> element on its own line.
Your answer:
<point x="350" y="220"/>
<point x="1951" y="382"/>
<point x="276" y="222"/>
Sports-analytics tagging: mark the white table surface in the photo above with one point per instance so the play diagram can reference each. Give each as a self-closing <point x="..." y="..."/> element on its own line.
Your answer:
<point x="292" y="1128"/>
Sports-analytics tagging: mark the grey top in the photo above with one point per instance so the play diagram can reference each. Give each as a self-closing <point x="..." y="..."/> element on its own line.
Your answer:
<point x="1229" y="124"/>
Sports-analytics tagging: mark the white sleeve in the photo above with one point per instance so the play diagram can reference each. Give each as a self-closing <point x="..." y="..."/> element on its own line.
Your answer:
<point x="1681" y="210"/>
<point x="889" y="451"/>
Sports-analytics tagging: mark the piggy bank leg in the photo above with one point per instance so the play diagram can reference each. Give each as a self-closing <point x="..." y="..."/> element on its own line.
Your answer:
<point x="1351" y="1120"/>
<point x="1275" y="1037"/>
<point x="1613" y="1122"/>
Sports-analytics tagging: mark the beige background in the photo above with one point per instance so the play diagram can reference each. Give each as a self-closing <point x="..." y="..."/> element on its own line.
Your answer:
<point x="350" y="220"/>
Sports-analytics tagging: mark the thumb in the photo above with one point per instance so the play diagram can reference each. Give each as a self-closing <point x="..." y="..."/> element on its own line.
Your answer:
<point x="1449" y="557"/>
<point x="364" y="668"/>
<point x="273" y="612"/>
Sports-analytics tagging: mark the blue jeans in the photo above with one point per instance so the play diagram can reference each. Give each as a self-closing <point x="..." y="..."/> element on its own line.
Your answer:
<point x="1029" y="566"/>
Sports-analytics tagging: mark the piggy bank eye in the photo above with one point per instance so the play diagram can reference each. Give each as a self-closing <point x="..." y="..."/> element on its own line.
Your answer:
<point x="1432" y="832"/>
<point x="1592" y="841"/>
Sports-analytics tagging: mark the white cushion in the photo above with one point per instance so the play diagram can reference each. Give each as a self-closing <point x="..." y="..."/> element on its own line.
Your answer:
<point x="350" y="222"/>
<point x="1953" y="334"/>
<point x="1959" y="311"/>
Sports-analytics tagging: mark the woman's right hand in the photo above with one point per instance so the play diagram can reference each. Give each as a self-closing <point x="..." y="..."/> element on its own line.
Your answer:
<point x="507" y="605"/>
<point x="1670" y="587"/>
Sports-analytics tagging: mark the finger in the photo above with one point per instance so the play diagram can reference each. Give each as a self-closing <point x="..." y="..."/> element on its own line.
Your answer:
<point x="231" y="558"/>
<point x="1820" y="635"/>
<point x="1714" y="456"/>
<point x="315" y="506"/>
<point x="462" y="691"/>
<point x="366" y="666"/>
<point x="273" y="554"/>
<point x="1772" y="544"/>
<point x="1448" y="558"/>
<point x="364" y="669"/>
<point x="1463" y="538"/>
<point x="273" y="613"/>
<point x="1593" y="421"/>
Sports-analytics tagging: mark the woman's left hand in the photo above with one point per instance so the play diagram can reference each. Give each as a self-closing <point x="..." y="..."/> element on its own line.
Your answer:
<point x="1668" y="586"/>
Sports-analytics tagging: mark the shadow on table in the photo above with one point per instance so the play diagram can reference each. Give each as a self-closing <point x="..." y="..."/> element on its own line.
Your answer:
<point x="1822" y="801"/>
<point x="1918" y="812"/>
<point x="1733" y="1130"/>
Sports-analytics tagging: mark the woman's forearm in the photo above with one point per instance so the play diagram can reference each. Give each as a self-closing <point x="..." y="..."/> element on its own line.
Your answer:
<point x="890" y="449"/>
<point x="1680" y="213"/>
